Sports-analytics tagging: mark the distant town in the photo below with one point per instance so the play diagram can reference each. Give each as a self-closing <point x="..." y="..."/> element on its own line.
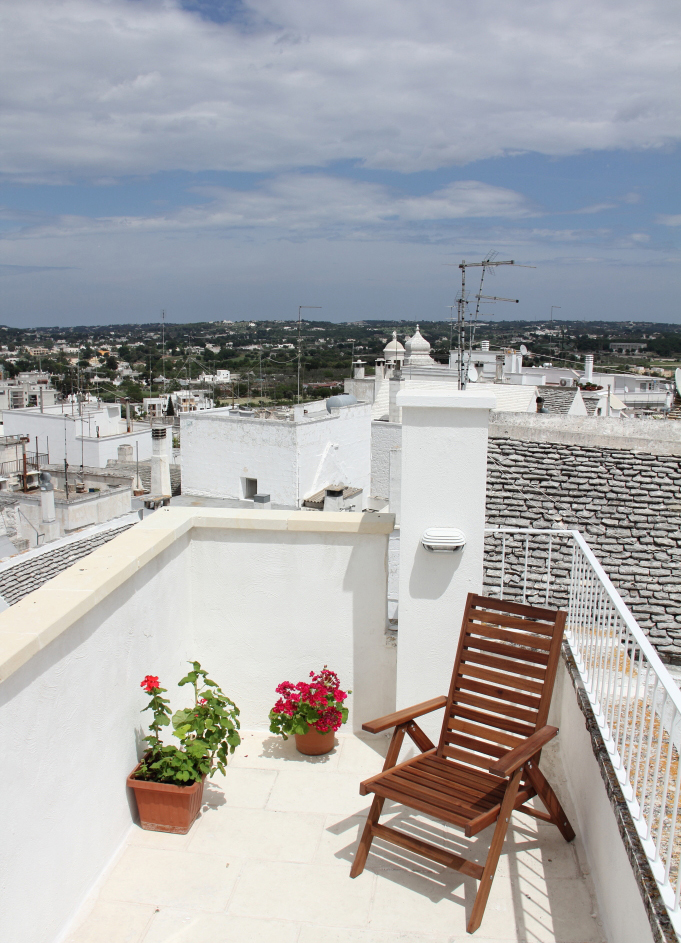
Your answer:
<point x="257" y="361"/>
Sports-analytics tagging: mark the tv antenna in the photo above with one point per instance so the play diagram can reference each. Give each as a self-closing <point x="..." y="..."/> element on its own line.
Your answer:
<point x="489" y="263"/>
<point x="301" y="308"/>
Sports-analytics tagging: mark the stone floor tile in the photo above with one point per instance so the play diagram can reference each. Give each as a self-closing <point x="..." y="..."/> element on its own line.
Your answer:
<point x="363" y="755"/>
<point x="113" y="922"/>
<point x="321" y="791"/>
<point x="310" y="934"/>
<point x="177" y="926"/>
<point x="557" y="911"/>
<point x="164" y="841"/>
<point x="257" y="833"/>
<point x="302" y="892"/>
<point x="177" y="878"/>
<point x="240" y="787"/>
<point x="408" y="901"/>
<point x="260" y="750"/>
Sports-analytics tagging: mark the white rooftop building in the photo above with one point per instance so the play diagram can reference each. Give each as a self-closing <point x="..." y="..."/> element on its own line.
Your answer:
<point x="288" y="454"/>
<point x="83" y="434"/>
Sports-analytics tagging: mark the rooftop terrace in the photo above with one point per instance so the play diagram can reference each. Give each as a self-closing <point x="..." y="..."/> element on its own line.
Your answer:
<point x="263" y="596"/>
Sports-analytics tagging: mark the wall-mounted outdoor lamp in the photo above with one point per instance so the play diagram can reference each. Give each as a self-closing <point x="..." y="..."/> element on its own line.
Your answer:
<point x="443" y="539"/>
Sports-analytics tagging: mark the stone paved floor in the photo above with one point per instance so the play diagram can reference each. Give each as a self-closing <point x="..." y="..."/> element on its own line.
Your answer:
<point x="268" y="860"/>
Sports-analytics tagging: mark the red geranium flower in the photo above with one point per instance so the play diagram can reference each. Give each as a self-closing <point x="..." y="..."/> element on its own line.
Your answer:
<point x="149" y="683"/>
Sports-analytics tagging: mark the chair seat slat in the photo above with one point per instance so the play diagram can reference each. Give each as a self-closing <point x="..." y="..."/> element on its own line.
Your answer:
<point x="388" y="791"/>
<point x="479" y="781"/>
<point x="414" y="785"/>
<point x="463" y="794"/>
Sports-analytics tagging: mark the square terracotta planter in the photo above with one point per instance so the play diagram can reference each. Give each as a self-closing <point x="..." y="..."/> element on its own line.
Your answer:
<point x="163" y="807"/>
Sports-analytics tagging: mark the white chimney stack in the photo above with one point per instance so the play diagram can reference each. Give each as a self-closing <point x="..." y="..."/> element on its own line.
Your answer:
<point x="333" y="499"/>
<point x="160" y="469"/>
<point x="484" y="345"/>
<point x="358" y="366"/>
<point x="47" y="498"/>
<point x="589" y="367"/>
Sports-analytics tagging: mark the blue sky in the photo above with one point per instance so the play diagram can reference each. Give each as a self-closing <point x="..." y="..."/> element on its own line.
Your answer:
<point x="226" y="160"/>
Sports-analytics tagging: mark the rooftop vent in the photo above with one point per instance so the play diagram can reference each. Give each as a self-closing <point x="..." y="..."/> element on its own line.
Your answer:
<point x="443" y="539"/>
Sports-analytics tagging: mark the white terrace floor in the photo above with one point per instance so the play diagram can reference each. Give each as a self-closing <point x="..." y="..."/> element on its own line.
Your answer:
<point x="268" y="861"/>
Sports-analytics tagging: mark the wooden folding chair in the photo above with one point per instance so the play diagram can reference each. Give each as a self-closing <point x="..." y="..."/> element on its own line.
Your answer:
<point x="487" y="761"/>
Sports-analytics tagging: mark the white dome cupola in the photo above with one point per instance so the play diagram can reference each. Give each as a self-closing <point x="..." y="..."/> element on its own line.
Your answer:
<point x="394" y="350"/>
<point x="417" y="351"/>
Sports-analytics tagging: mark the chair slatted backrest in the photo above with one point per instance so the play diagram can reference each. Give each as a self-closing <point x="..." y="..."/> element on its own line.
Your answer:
<point x="503" y="679"/>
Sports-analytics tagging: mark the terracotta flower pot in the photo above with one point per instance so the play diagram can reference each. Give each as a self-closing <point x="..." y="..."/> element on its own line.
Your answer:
<point x="314" y="743"/>
<point x="163" y="807"/>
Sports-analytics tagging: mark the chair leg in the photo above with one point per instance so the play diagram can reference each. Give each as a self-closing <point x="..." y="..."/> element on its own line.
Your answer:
<point x="374" y="815"/>
<point x="550" y="800"/>
<point x="494" y="851"/>
<point x="367" y="837"/>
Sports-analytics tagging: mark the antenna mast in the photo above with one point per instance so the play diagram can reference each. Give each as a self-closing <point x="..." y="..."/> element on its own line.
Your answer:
<point x="462" y="302"/>
<point x="300" y="308"/>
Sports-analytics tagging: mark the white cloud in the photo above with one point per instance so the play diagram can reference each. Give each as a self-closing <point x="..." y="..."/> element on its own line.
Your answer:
<point x="304" y="205"/>
<point x="108" y="87"/>
<point x="666" y="220"/>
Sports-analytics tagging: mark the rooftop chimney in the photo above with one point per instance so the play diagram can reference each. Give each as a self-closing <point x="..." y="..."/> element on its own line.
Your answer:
<point x="358" y="369"/>
<point x="160" y="470"/>
<point x="333" y="499"/>
<point x="484" y="345"/>
<point x="589" y="368"/>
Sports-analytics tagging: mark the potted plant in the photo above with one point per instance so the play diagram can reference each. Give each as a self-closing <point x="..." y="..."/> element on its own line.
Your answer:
<point x="312" y="712"/>
<point x="168" y="781"/>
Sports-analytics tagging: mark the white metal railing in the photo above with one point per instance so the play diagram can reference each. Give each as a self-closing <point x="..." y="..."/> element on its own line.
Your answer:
<point x="634" y="698"/>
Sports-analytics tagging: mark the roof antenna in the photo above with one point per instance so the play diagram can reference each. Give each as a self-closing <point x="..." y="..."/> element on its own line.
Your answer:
<point x="489" y="262"/>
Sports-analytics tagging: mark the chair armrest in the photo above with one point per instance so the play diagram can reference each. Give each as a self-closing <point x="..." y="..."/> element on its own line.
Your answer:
<point x="404" y="716"/>
<point x="509" y="762"/>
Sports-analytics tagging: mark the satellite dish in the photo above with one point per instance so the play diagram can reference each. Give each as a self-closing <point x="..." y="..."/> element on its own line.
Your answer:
<point x="523" y="349"/>
<point x="472" y="374"/>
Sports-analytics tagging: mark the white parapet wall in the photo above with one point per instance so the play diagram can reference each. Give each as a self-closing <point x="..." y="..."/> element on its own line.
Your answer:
<point x="569" y="762"/>
<point x="258" y="597"/>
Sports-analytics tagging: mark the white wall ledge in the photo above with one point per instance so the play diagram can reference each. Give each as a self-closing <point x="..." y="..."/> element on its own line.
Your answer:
<point x="454" y="399"/>
<point x="37" y="619"/>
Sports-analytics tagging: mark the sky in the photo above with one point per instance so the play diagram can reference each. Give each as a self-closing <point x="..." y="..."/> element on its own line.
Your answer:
<point x="224" y="159"/>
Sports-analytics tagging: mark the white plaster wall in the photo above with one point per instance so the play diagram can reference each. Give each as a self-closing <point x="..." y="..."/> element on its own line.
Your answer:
<point x="289" y="460"/>
<point x="98" y="451"/>
<point x="88" y="510"/>
<point x="287" y="604"/>
<point x="444" y="467"/>
<point x="620" y="905"/>
<point x="217" y="451"/>
<point x="384" y="437"/>
<point x="255" y="606"/>
<point x="70" y="718"/>
<point x="64" y="434"/>
<point x="336" y="449"/>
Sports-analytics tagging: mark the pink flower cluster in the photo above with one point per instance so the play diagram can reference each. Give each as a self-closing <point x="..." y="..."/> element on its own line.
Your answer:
<point x="323" y="694"/>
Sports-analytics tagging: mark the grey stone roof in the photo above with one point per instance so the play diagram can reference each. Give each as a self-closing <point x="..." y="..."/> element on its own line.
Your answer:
<point x="627" y="504"/>
<point x="130" y="468"/>
<point x="22" y="575"/>
<point x="557" y="399"/>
